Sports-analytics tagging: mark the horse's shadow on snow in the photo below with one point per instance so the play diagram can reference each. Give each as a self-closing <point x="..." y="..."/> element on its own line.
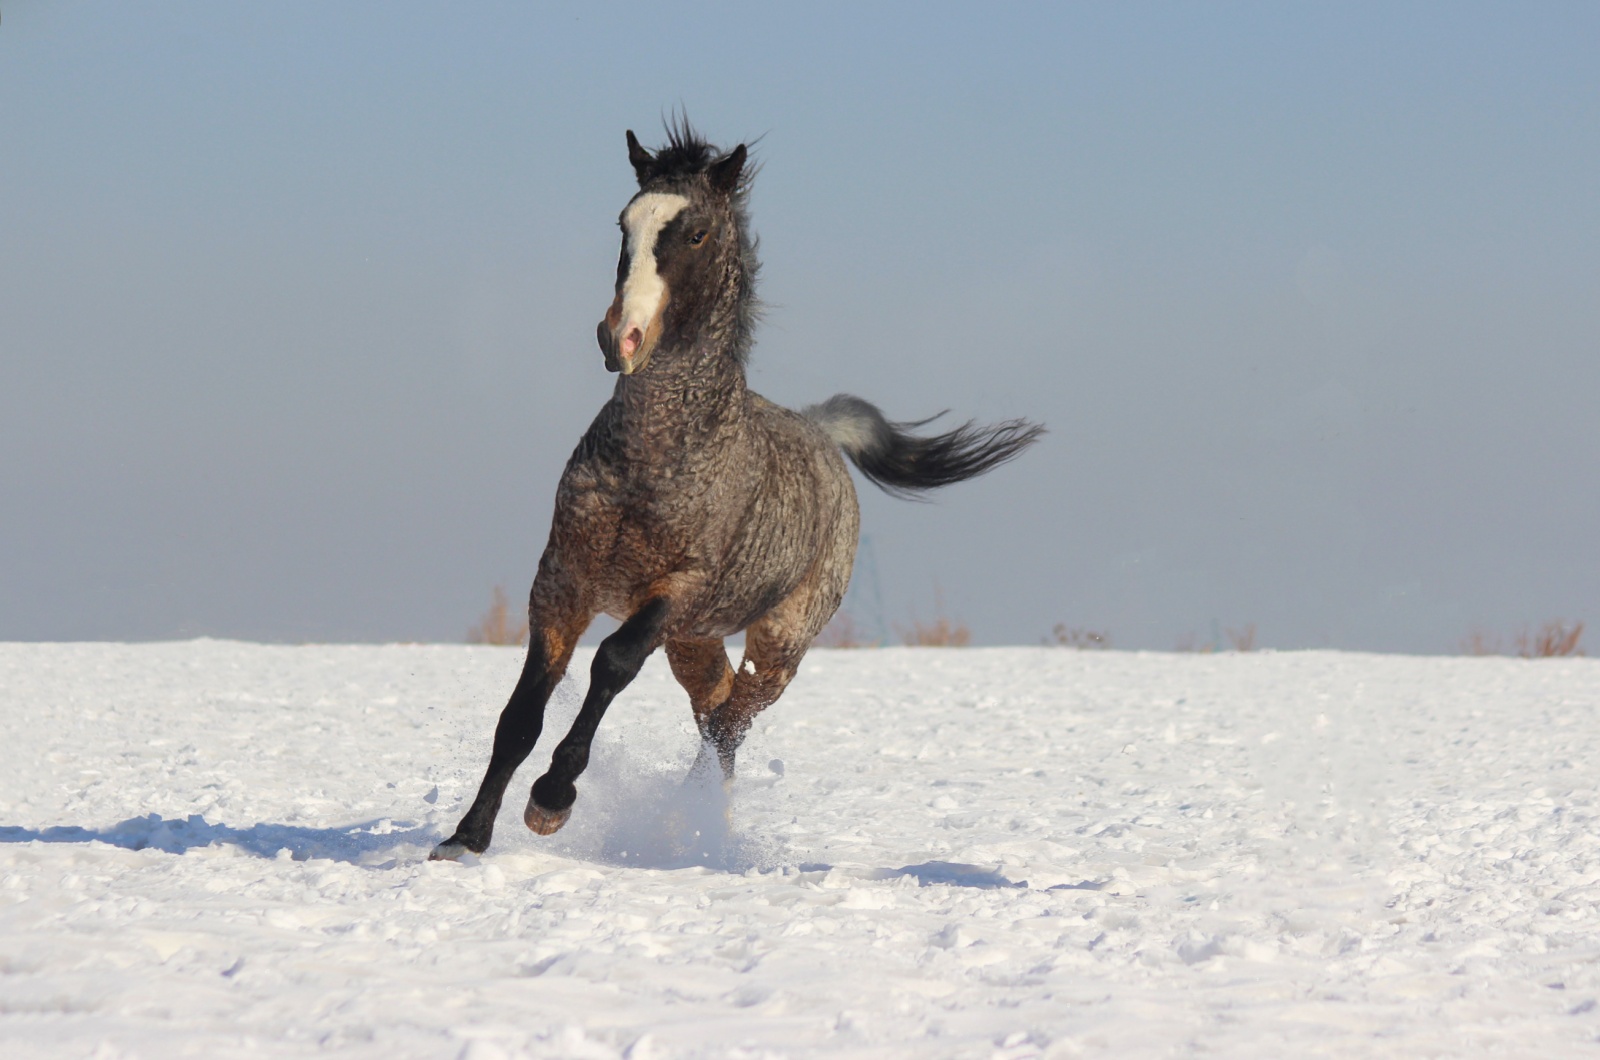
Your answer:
<point x="381" y="844"/>
<point x="365" y="843"/>
<point x="956" y="874"/>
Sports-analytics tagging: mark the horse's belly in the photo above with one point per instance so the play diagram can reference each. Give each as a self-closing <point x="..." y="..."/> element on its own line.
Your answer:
<point x="731" y="613"/>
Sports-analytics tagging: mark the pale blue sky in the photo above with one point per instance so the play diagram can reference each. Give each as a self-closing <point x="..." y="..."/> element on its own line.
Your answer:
<point x="297" y="302"/>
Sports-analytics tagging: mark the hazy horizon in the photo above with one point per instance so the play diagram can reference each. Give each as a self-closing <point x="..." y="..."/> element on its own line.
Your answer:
<point x="297" y="304"/>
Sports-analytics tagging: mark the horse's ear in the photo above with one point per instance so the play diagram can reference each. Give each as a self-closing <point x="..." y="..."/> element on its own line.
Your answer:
<point x="642" y="160"/>
<point x="724" y="172"/>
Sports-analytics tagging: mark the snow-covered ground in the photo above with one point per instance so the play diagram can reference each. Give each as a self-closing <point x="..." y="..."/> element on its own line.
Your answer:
<point x="217" y="849"/>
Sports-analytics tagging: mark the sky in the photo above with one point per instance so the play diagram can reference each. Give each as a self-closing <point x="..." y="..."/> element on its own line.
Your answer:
<point x="297" y="304"/>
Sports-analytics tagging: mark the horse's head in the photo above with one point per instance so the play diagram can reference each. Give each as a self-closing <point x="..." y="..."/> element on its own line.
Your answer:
<point x="684" y="252"/>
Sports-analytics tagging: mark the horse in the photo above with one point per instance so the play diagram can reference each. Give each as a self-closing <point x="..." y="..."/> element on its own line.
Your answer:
<point x="694" y="508"/>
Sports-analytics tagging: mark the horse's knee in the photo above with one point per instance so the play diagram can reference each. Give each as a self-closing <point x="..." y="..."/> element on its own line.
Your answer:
<point x="610" y="670"/>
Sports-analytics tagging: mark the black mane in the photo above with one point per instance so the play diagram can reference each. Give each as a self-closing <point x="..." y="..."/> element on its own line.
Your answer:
<point x="687" y="154"/>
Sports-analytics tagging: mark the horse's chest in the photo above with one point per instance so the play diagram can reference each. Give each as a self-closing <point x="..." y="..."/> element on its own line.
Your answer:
<point x="635" y="530"/>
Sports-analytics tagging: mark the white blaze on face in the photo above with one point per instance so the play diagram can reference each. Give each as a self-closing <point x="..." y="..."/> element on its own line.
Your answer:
<point x="642" y="288"/>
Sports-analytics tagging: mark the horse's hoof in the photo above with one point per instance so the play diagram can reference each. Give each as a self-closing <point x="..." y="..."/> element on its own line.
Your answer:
<point x="449" y="850"/>
<point x="543" y="821"/>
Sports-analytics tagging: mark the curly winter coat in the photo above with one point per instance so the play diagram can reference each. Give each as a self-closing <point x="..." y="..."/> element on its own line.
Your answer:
<point x="694" y="508"/>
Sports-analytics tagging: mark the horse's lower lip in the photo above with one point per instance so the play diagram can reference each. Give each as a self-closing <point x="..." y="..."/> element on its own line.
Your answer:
<point x="608" y="346"/>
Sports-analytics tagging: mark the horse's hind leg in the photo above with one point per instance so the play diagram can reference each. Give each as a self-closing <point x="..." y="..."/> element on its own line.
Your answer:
<point x="774" y="644"/>
<point x="701" y="667"/>
<point x="616" y="663"/>
<point x="772" y="653"/>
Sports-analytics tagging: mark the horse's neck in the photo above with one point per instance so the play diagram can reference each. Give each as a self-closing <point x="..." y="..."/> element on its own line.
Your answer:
<point x="681" y="403"/>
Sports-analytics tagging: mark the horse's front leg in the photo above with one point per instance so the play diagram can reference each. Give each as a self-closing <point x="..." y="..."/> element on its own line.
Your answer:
<point x="616" y="663"/>
<point x="549" y="650"/>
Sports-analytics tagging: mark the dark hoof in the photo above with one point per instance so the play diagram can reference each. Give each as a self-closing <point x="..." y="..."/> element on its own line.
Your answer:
<point x="543" y="821"/>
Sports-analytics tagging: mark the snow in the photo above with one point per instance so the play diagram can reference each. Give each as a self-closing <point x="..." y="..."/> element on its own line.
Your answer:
<point x="218" y="849"/>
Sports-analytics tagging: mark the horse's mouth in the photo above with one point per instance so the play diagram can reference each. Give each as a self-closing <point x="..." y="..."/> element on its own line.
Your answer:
<point x="632" y="354"/>
<point x="626" y="353"/>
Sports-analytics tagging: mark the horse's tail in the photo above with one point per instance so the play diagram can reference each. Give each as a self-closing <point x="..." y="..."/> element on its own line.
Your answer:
<point x="905" y="464"/>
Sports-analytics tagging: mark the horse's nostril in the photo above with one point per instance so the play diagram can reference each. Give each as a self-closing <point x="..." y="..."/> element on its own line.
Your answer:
<point x="632" y="340"/>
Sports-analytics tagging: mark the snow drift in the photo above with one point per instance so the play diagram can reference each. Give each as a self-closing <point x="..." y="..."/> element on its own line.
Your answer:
<point x="218" y="849"/>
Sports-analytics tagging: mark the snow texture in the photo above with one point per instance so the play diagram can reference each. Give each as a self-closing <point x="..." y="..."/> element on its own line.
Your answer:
<point x="218" y="849"/>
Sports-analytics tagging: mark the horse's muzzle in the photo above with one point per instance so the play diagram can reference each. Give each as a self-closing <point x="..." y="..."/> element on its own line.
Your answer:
<point x="625" y="353"/>
<point x="608" y="346"/>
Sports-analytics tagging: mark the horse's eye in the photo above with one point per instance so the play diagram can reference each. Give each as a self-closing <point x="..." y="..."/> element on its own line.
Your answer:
<point x="698" y="238"/>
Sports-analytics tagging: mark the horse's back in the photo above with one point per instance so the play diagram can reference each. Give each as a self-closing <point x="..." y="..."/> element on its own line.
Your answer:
<point x="804" y="519"/>
<point x="803" y="466"/>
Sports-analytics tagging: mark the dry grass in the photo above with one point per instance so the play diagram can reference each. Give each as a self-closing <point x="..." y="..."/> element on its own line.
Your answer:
<point x="942" y="632"/>
<point x="1241" y="639"/>
<point x="843" y="631"/>
<point x="1553" y="640"/>
<point x="497" y="625"/>
<point x="1065" y="636"/>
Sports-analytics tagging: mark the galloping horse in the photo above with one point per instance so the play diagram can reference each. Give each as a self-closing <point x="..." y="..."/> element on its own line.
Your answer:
<point x="694" y="508"/>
